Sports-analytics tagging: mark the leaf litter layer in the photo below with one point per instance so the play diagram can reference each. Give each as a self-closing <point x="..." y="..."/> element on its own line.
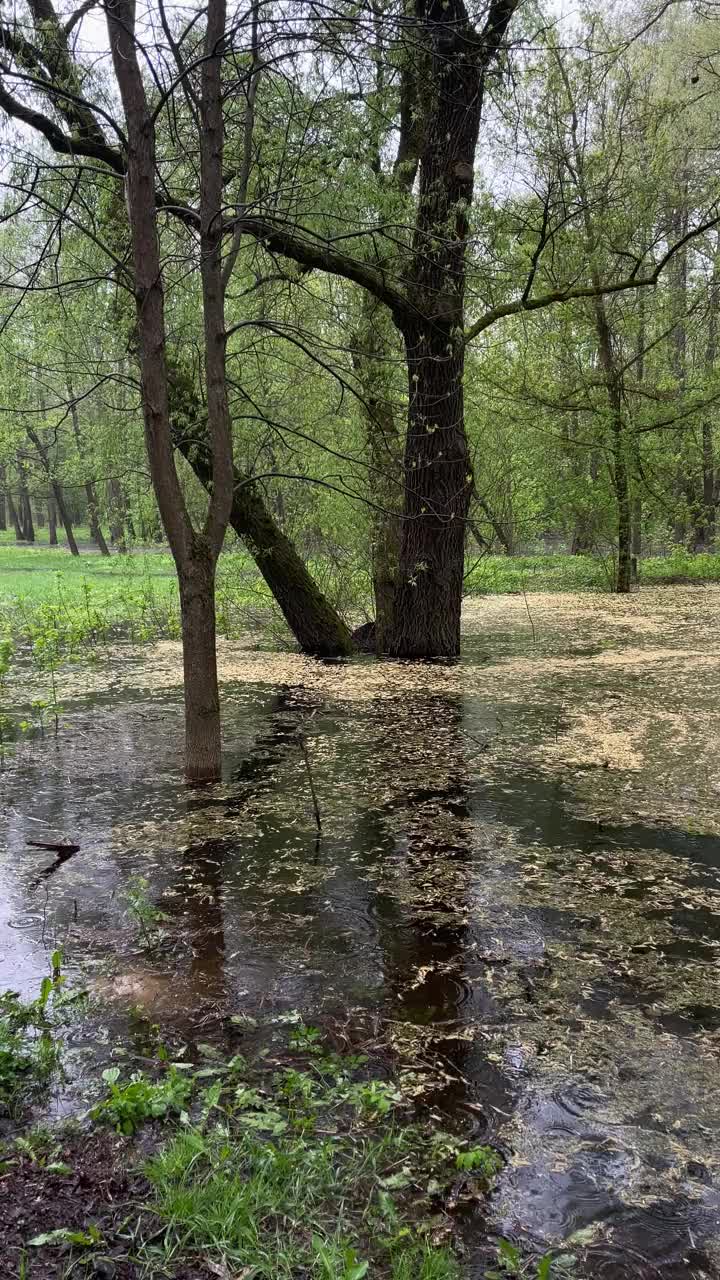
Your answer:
<point x="517" y="877"/>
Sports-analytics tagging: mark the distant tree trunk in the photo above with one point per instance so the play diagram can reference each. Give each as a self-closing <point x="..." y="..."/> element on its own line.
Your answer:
<point x="502" y="532"/>
<point x="684" y="485"/>
<point x="24" y="507"/>
<point x="90" y="492"/>
<point x="117" y="514"/>
<point x="52" y="520"/>
<point x="3" y="501"/>
<point x="703" y="537"/>
<point x="14" y="518"/>
<point x="612" y="372"/>
<point x="56" y="488"/>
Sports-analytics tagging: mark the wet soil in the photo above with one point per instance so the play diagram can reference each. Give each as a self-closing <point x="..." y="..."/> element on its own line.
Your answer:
<point x="516" y="889"/>
<point x="100" y="1188"/>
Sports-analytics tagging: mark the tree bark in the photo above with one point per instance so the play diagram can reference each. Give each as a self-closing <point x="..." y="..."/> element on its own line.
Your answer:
<point x="3" y="503"/>
<point x="705" y="517"/>
<point x="437" y="471"/>
<point x="372" y="362"/>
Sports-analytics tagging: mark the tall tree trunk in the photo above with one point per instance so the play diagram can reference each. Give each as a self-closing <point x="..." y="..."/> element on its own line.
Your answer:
<point x="52" y="520"/>
<point x="3" y="503"/>
<point x="612" y="372"/>
<point x="704" y="523"/>
<point x="195" y="552"/>
<point x="437" y="471"/>
<point x="56" y="489"/>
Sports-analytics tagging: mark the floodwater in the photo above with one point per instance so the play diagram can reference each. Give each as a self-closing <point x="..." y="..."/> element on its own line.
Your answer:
<point x="516" y="890"/>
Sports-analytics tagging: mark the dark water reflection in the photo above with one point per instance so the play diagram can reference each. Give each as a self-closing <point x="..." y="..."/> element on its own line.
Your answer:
<point x="545" y="981"/>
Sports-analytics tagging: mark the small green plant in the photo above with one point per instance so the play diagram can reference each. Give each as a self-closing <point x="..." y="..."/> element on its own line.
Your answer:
<point x="374" y="1098"/>
<point x="481" y="1160"/>
<point x="147" y="917"/>
<point x="512" y="1263"/>
<point x="29" y="1051"/>
<point x="129" y="1105"/>
<point x="306" y="1038"/>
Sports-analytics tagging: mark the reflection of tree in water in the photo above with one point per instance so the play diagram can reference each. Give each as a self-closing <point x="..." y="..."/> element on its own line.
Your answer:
<point x="199" y="890"/>
<point x="423" y="913"/>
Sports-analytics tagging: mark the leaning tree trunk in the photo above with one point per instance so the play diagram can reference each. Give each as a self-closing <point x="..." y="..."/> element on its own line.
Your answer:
<point x="316" y="626"/>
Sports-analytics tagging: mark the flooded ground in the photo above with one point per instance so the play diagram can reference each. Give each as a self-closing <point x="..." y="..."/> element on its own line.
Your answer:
<point x="516" y="888"/>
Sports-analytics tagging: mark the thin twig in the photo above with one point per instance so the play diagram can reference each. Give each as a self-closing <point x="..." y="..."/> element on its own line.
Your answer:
<point x="311" y="783"/>
<point x="527" y="606"/>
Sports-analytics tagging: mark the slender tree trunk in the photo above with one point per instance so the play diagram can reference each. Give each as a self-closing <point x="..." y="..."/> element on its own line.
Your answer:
<point x="3" y="502"/>
<point x="195" y="552"/>
<point x="612" y="373"/>
<point x="52" y="520"/>
<point x="98" y="536"/>
<point x="203" y="744"/>
<point x="502" y="532"/>
<point x="56" y="489"/>
<point x="24" y="507"/>
<point x="704" y="530"/>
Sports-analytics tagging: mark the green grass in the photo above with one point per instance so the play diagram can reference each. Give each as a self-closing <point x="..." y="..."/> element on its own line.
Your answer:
<point x="498" y="575"/>
<point x="308" y="1170"/>
<point x="82" y="534"/>
<point x="91" y="598"/>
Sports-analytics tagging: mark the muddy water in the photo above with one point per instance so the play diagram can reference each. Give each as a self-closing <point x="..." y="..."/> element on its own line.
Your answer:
<point x="516" y="889"/>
